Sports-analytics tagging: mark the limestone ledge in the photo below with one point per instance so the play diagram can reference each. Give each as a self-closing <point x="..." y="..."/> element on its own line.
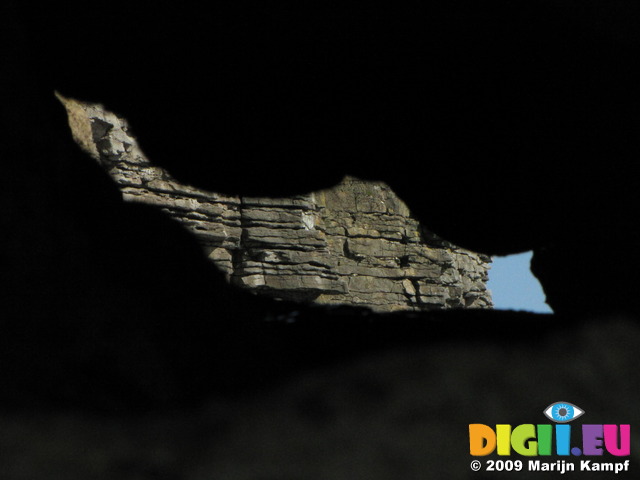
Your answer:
<point x="354" y="244"/>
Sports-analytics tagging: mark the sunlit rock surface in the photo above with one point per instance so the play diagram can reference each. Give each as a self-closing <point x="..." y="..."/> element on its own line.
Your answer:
<point x="354" y="244"/>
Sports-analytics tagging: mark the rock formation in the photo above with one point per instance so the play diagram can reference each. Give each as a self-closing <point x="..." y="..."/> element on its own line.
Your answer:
<point x="110" y="307"/>
<point x="355" y="244"/>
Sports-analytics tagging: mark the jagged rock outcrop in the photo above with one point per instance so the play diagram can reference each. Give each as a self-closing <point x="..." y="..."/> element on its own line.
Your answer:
<point x="355" y="244"/>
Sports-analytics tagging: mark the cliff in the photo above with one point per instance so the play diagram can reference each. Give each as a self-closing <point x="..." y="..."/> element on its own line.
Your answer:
<point x="354" y="244"/>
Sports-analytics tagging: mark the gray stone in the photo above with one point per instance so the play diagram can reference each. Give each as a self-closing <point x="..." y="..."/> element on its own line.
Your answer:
<point x="354" y="244"/>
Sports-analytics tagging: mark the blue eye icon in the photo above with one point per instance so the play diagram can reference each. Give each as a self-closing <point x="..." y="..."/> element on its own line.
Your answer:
<point x="563" y="412"/>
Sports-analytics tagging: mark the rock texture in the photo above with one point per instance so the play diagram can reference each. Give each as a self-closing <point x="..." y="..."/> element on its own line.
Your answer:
<point x="355" y="244"/>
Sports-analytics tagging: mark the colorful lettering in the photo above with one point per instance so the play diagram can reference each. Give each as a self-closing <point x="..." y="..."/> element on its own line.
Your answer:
<point x="531" y="440"/>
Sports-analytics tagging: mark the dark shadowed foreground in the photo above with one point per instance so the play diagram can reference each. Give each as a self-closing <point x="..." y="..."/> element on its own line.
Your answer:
<point x="402" y="412"/>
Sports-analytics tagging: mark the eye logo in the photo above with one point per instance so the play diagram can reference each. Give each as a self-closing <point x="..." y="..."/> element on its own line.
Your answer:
<point x="563" y="412"/>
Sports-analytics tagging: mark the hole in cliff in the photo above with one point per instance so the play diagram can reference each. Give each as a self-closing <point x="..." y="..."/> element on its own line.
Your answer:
<point x="404" y="261"/>
<point x="514" y="287"/>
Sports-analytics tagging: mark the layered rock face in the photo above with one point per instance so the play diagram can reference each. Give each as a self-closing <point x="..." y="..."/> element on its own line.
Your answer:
<point x="354" y="244"/>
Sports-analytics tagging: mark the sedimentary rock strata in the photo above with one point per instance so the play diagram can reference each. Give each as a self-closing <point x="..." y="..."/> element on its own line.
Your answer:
<point x="354" y="244"/>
